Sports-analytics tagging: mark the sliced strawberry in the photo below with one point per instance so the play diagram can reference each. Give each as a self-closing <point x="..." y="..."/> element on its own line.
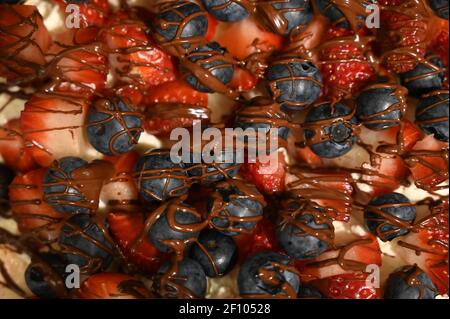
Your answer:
<point x="409" y="133"/>
<point x="13" y="148"/>
<point x="134" y="59"/>
<point x="243" y="80"/>
<point x="246" y="37"/>
<point x="268" y="177"/>
<point x="53" y="126"/>
<point x="24" y="41"/>
<point x="440" y="45"/>
<point x="92" y="12"/>
<point x="348" y="286"/>
<point x="32" y="213"/>
<point x="129" y="92"/>
<point x="127" y="229"/>
<point x="177" y="91"/>
<point x="110" y="285"/>
<point x="120" y="190"/>
<point x="306" y="155"/>
<point x="360" y="251"/>
<point x="212" y="26"/>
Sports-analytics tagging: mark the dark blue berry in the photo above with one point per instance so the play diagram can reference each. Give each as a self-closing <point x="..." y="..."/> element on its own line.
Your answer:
<point x="226" y="10"/>
<point x="113" y="126"/>
<point x="236" y="206"/>
<point x="6" y="177"/>
<point x="309" y="292"/>
<point x="211" y="65"/>
<point x="180" y="26"/>
<point x="334" y="137"/>
<point x="216" y="252"/>
<point x="298" y="227"/>
<point x="397" y="207"/>
<point x="284" y="16"/>
<point x="432" y="113"/>
<point x="159" y="176"/>
<point x="409" y="282"/>
<point x="294" y="83"/>
<point x="379" y="108"/>
<point x="186" y="279"/>
<point x="174" y="215"/>
<point x="425" y="77"/>
<point x="268" y="274"/>
<point x="440" y="8"/>
<point x="85" y="243"/>
<point x="60" y="191"/>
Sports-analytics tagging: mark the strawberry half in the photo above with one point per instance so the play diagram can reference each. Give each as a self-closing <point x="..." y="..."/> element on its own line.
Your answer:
<point x="13" y="147"/>
<point x="126" y="228"/>
<point x="32" y="213"/>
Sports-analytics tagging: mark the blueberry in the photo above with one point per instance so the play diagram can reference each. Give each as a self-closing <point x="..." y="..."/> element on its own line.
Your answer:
<point x="335" y="15"/>
<point x="46" y="277"/>
<point x="396" y="207"/>
<point x="282" y="17"/>
<point x="113" y="126"/>
<point x="309" y="292"/>
<point x="212" y="67"/>
<point x="159" y="177"/>
<point x="298" y="227"/>
<point x="180" y="26"/>
<point x="432" y="113"/>
<point x="236" y="206"/>
<point x="268" y="274"/>
<point x="174" y="215"/>
<point x="226" y="10"/>
<point x="185" y="280"/>
<point x="334" y="137"/>
<point x="86" y="244"/>
<point x="440" y="8"/>
<point x="60" y="191"/>
<point x="294" y="83"/>
<point x="220" y="166"/>
<point x="216" y="252"/>
<point x="425" y="77"/>
<point x="379" y="108"/>
<point x="409" y="282"/>
<point x="6" y="177"/>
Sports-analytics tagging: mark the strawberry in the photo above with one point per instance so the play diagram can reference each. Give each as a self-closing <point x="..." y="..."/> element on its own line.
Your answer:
<point x="13" y="148"/>
<point x="53" y="126"/>
<point x="348" y="286"/>
<point x="92" y="12"/>
<point x="23" y="42"/>
<point x="344" y="66"/>
<point x="129" y="92"/>
<point x="360" y="251"/>
<point x="120" y="189"/>
<point x="268" y="177"/>
<point x="110" y="285"/>
<point x="243" y="80"/>
<point x="134" y="58"/>
<point x="170" y="98"/>
<point x="306" y="155"/>
<point x="245" y="37"/>
<point x="32" y="213"/>
<point x="212" y="26"/>
<point x="126" y="229"/>
<point x="440" y="45"/>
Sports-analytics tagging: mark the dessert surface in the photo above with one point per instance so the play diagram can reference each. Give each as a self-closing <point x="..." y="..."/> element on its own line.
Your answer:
<point x="342" y="194"/>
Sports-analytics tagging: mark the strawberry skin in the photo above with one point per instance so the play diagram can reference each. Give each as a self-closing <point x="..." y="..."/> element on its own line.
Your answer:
<point x="348" y="286"/>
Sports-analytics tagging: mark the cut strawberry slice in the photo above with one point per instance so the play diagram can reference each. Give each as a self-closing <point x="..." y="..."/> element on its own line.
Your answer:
<point x="13" y="148"/>
<point x="24" y="41"/>
<point x="33" y="215"/>
<point x="306" y="155"/>
<point x="110" y="285"/>
<point x="127" y="229"/>
<point x="177" y="91"/>
<point x="53" y="126"/>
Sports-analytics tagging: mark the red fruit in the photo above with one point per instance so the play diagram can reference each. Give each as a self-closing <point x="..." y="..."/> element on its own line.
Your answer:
<point x="110" y="285"/>
<point x="127" y="229"/>
<point x="134" y="58"/>
<point x="32" y="213"/>
<point x="177" y="91"/>
<point x="13" y="147"/>
<point x="268" y="177"/>
<point x="410" y="134"/>
<point x="243" y="80"/>
<point x="305" y="154"/>
<point x="53" y="126"/>
<point x="23" y="42"/>
<point x="92" y="12"/>
<point x="130" y="93"/>
<point x="120" y="190"/>
<point x="348" y="286"/>
<point x="246" y="37"/>
<point x="212" y="26"/>
<point x="344" y="66"/>
<point x="358" y="253"/>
